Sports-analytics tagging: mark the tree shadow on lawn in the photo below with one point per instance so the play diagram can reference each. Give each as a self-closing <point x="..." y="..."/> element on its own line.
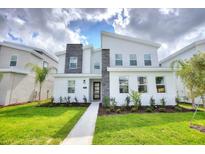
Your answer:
<point x="129" y="121"/>
<point x="32" y="111"/>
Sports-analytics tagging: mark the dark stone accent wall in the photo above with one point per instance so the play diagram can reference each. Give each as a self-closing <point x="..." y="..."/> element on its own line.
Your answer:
<point x="74" y="50"/>
<point x="105" y="73"/>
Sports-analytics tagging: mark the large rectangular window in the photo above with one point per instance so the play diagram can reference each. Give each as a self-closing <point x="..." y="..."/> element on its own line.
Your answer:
<point x="123" y="85"/>
<point x="160" y="85"/>
<point x="13" y="60"/>
<point x="133" y="60"/>
<point x="71" y="86"/>
<point x="118" y="60"/>
<point x="147" y="60"/>
<point x="73" y="62"/>
<point x="142" y="84"/>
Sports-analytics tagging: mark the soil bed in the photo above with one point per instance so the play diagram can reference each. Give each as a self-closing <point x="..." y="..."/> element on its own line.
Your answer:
<point x="143" y="109"/>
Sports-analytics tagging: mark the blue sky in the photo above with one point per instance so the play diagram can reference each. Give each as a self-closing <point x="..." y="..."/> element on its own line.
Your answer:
<point x="52" y="29"/>
<point x="91" y="30"/>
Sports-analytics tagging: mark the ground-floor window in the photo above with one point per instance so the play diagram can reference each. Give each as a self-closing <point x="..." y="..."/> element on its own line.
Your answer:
<point x="123" y="82"/>
<point x="142" y="84"/>
<point x="71" y="86"/>
<point x="160" y="85"/>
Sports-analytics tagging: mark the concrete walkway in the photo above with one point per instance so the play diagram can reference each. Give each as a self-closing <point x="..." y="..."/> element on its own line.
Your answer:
<point x="82" y="132"/>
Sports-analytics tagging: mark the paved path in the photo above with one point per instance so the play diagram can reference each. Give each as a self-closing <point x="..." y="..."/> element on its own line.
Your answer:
<point x="82" y="132"/>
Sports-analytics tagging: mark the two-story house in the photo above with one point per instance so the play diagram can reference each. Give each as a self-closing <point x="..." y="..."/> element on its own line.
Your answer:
<point x="18" y="82"/>
<point x="121" y="65"/>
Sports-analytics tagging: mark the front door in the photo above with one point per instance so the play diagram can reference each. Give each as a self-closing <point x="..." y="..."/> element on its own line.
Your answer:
<point x="96" y="90"/>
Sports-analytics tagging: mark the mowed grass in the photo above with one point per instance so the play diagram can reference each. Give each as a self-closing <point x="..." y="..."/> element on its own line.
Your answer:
<point x="149" y="129"/>
<point x="28" y="124"/>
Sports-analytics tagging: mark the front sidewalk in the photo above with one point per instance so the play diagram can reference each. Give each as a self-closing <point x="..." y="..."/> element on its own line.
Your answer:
<point x="82" y="132"/>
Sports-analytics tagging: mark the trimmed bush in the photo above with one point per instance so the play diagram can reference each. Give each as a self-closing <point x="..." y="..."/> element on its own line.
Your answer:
<point x="134" y="109"/>
<point x="163" y="102"/>
<point x="108" y="111"/>
<point x="178" y="109"/>
<point x="149" y="109"/>
<point x="118" y="111"/>
<point x="85" y="99"/>
<point x="127" y="100"/>
<point x="106" y="101"/>
<point x="162" y="110"/>
<point x="152" y="102"/>
<point x="76" y="100"/>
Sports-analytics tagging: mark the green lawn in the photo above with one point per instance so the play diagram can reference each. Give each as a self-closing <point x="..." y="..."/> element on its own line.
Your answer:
<point x="189" y="106"/>
<point x="149" y="128"/>
<point x="28" y="124"/>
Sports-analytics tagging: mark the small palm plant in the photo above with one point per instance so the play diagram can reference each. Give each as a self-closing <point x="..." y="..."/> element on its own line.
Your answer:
<point x="135" y="97"/>
<point x="40" y="75"/>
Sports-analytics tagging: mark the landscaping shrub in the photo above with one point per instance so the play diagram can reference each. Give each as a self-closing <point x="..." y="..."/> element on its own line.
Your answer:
<point x="127" y="100"/>
<point x="52" y="99"/>
<point x="177" y="100"/>
<point x="113" y="104"/>
<point x="152" y="102"/>
<point x="61" y="99"/>
<point x="149" y="109"/>
<point x="162" y="110"/>
<point x="178" y="109"/>
<point x="118" y="111"/>
<point x="85" y="99"/>
<point x="107" y="111"/>
<point x="68" y="99"/>
<point x="163" y="102"/>
<point x="135" y="97"/>
<point x="106" y="101"/>
<point x="134" y="109"/>
<point x="124" y="107"/>
<point x="76" y="100"/>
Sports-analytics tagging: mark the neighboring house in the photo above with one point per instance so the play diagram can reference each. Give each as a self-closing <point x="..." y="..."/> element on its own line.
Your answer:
<point x="18" y="82"/>
<point x="121" y="65"/>
<point x="183" y="54"/>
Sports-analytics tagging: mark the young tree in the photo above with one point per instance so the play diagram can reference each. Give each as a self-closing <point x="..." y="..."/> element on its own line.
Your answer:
<point x="186" y="72"/>
<point x="40" y="75"/>
<point x="198" y="63"/>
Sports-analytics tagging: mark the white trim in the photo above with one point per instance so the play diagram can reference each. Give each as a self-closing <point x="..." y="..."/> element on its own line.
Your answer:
<point x="13" y="70"/>
<point x="136" y="69"/>
<point x="91" y="76"/>
<point x="145" y="42"/>
<point x="185" y="49"/>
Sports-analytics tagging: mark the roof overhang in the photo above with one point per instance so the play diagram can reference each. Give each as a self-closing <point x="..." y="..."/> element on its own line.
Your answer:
<point x="12" y="70"/>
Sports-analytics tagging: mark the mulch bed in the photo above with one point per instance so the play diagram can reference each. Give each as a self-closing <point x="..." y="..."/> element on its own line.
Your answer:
<point x="198" y="127"/>
<point x="72" y="104"/>
<point x="143" y="109"/>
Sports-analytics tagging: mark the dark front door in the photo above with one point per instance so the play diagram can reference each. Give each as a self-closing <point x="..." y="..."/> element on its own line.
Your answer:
<point x="96" y="90"/>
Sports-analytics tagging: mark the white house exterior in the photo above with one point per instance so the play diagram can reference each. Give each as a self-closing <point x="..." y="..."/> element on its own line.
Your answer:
<point x="121" y="65"/>
<point x="18" y="82"/>
<point x="183" y="54"/>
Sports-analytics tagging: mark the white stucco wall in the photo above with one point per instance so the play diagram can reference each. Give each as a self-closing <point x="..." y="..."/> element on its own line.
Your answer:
<point x="61" y="88"/>
<point x="125" y="47"/>
<point x="86" y="68"/>
<point x="96" y="58"/>
<point x="133" y="85"/>
<point x="61" y="63"/>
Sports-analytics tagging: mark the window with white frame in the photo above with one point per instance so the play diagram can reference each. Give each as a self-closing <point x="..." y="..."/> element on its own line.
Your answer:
<point x="45" y="64"/>
<point x="123" y="85"/>
<point x="160" y="85"/>
<point x="133" y="60"/>
<point x="71" y="86"/>
<point x="118" y="59"/>
<point x="97" y="66"/>
<point x="73" y="62"/>
<point x="147" y="60"/>
<point x="142" y="84"/>
<point x="13" y="60"/>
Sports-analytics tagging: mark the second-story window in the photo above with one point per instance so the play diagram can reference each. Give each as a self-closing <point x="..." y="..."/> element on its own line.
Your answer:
<point x="97" y="66"/>
<point x="147" y="60"/>
<point x="13" y="60"/>
<point x="45" y="64"/>
<point x="73" y="62"/>
<point x="133" y="60"/>
<point x="118" y="60"/>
